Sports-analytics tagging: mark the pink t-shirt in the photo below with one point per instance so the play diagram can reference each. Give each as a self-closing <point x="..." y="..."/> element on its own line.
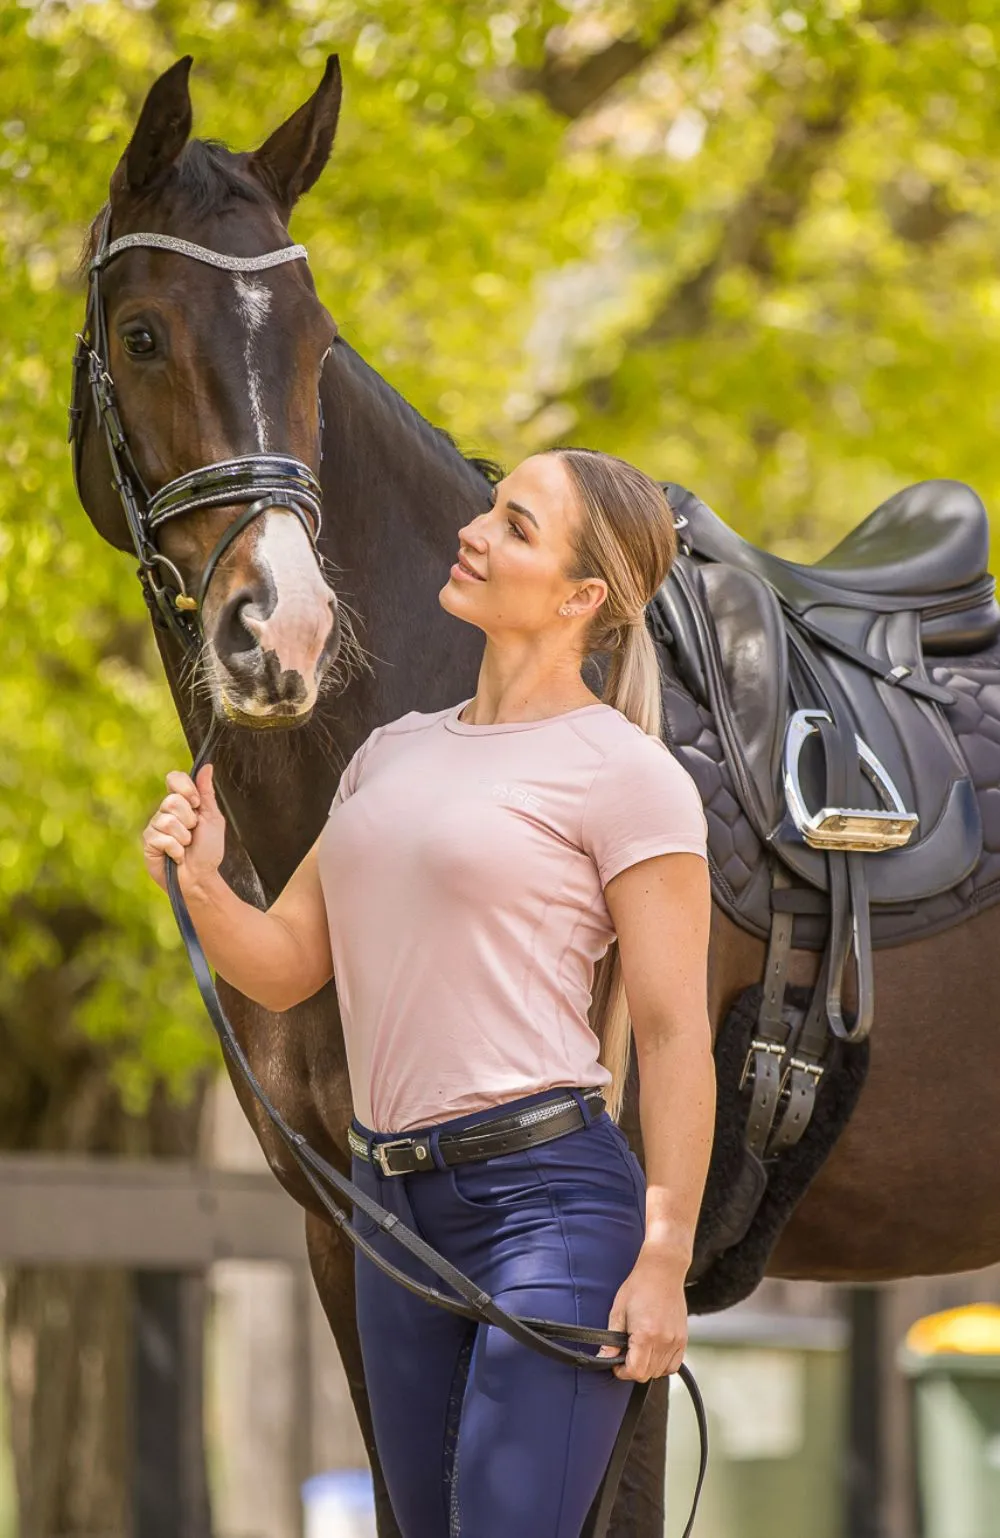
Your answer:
<point x="463" y="870"/>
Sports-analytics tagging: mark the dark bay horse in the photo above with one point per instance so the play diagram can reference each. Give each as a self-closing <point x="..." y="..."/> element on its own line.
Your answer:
<point x="328" y="644"/>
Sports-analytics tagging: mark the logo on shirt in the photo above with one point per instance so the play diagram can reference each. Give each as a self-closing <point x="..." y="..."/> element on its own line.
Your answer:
<point x="515" y="795"/>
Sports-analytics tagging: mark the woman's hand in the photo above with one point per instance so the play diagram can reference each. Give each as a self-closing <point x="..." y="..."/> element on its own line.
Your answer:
<point x="187" y="827"/>
<point x="650" y="1305"/>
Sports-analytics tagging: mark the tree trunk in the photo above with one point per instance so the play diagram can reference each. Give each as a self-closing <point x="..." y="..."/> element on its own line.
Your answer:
<point x="67" y="1333"/>
<point x="67" y="1372"/>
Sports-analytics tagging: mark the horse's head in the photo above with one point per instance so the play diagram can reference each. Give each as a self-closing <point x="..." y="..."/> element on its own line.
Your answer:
<point x="212" y="364"/>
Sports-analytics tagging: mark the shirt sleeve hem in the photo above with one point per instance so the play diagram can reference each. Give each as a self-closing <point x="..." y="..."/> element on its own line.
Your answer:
<point x="647" y="849"/>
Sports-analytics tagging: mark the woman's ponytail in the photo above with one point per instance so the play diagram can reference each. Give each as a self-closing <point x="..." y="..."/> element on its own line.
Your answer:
<point x="633" y="687"/>
<point x="627" y="538"/>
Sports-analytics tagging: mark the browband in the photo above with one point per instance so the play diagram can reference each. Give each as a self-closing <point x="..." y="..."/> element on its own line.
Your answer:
<point x="201" y="253"/>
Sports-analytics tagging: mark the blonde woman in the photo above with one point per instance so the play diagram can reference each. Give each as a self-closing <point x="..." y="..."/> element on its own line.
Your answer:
<point x="507" y="892"/>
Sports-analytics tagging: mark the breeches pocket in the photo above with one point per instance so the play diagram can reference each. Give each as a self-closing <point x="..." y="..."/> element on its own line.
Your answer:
<point x="587" y="1172"/>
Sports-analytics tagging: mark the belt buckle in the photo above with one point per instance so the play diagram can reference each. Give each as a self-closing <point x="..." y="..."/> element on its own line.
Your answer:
<point x="381" y="1149"/>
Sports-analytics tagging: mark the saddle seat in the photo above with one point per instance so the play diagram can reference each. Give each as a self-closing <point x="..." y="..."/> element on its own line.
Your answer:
<point x="925" y="549"/>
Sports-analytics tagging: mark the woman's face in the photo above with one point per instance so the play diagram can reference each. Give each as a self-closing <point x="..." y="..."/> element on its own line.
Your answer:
<point x="511" y="559"/>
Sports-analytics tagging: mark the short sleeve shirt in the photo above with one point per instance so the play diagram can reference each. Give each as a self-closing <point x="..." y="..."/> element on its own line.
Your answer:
<point x="463" y="869"/>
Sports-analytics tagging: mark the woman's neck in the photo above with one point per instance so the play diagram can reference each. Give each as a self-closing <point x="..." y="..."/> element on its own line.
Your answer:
<point x="526" y="688"/>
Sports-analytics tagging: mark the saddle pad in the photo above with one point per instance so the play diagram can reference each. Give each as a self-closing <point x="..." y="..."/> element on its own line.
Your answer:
<point x="737" y="857"/>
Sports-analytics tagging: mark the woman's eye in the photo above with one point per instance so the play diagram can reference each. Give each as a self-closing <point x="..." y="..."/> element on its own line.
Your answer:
<point x="138" y="342"/>
<point x="516" y="527"/>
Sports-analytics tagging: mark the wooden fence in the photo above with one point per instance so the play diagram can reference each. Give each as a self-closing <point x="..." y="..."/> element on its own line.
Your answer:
<point x="166" y="1222"/>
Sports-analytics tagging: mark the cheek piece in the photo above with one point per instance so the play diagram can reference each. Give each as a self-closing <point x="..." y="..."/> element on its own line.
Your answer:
<point x="259" y="482"/>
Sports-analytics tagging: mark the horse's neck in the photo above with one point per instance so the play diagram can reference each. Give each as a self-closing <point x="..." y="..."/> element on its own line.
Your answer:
<point x="395" y="494"/>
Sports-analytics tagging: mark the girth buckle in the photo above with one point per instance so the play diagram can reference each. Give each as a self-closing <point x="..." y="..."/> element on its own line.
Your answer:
<point x="773" y="1048"/>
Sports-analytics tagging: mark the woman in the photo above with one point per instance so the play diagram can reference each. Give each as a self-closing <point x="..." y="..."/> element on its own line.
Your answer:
<point x="489" y="877"/>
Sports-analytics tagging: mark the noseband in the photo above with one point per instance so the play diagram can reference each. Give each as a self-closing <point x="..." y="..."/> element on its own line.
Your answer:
<point x="258" y="482"/>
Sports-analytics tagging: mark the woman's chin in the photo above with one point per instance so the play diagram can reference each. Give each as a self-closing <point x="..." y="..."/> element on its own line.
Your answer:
<point x="451" y="596"/>
<point x="452" y="600"/>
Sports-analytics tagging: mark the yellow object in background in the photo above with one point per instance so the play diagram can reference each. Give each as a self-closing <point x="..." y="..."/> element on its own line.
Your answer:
<point x="973" y="1330"/>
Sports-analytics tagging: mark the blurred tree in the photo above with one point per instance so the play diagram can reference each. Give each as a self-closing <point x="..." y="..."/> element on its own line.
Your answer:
<point x="750" y="245"/>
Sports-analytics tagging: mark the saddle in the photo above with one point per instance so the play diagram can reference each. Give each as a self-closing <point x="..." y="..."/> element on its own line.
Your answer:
<point x="828" y="747"/>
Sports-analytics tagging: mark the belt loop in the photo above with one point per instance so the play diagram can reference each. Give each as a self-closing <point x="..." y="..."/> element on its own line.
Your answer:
<point x="581" y="1102"/>
<point x="432" y="1141"/>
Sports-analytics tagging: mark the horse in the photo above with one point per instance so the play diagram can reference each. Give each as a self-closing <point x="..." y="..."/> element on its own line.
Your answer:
<point x="315" y="630"/>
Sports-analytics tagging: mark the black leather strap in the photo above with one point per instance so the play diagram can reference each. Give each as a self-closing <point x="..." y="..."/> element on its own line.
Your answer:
<point x="911" y="682"/>
<point x="507" y="1134"/>
<point x="763" y="1068"/>
<point x="850" y="922"/>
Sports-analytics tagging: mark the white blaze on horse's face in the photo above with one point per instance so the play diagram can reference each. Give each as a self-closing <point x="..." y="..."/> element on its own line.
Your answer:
<point x="292" y="618"/>
<point x="253" y="303"/>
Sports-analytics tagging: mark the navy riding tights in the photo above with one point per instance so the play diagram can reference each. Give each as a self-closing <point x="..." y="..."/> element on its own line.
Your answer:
<point x="478" y="1435"/>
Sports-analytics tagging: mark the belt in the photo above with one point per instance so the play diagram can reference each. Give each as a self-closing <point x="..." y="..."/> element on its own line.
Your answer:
<point x="497" y="1135"/>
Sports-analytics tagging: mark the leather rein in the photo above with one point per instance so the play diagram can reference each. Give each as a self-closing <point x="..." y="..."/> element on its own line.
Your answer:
<point x="261" y="482"/>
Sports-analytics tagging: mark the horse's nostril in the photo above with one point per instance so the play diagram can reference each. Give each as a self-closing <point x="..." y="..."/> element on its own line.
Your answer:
<point x="238" y="625"/>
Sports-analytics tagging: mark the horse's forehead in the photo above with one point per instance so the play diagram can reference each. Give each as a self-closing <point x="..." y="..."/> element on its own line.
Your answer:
<point x="237" y="226"/>
<point x="199" y="299"/>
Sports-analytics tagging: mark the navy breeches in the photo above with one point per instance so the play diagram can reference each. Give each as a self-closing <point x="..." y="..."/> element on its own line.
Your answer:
<point x="479" y="1436"/>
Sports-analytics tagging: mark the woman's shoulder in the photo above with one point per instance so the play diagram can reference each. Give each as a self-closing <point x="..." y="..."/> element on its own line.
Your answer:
<point x="412" y="721"/>
<point x="636" y="768"/>
<point x="402" y="729"/>
<point x="621" y="744"/>
<point x="382" y="739"/>
<point x="642" y="801"/>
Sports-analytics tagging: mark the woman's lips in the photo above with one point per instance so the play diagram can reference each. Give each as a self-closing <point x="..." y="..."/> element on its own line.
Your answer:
<point x="465" y="574"/>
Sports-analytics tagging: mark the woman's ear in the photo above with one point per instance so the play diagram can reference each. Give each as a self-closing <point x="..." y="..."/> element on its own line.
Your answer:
<point x="589" y="596"/>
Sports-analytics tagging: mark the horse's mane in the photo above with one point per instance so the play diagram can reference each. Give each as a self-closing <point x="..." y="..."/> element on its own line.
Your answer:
<point x="209" y="175"/>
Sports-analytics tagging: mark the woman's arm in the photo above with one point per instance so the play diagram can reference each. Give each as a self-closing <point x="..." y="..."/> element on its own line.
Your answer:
<point x="278" y="957"/>
<point x="661" y="909"/>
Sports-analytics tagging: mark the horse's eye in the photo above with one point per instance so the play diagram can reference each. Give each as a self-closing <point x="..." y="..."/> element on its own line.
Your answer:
<point x="137" y="342"/>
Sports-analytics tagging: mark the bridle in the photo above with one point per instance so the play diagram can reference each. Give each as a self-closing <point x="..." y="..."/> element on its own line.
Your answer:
<point x="260" y="482"/>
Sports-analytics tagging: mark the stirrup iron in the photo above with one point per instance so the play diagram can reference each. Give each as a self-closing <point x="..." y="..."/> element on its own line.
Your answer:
<point x="844" y="827"/>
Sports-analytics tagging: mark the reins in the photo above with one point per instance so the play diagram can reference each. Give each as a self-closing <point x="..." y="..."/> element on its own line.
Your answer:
<point x="263" y="482"/>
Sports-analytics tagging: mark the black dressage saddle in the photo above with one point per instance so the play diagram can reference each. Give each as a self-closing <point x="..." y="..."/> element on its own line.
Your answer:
<point x="834" y="757"/>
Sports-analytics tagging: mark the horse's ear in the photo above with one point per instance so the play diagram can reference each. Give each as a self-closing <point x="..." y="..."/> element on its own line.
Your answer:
<point x="290" y="161"/>
<point x="160" y="134"/>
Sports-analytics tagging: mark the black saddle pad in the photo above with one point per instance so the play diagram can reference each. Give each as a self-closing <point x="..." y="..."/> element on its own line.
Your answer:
<point x="737" y="856"/>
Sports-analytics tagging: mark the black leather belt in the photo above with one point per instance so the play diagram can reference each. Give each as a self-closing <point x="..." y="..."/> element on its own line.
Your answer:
<point x="498" y="1135"/>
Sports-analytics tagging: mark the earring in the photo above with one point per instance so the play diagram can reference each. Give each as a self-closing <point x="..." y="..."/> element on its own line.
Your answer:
<point x="565" y="611"/>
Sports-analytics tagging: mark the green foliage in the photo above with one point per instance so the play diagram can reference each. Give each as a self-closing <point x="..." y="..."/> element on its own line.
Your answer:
<point x="751" y="246"/>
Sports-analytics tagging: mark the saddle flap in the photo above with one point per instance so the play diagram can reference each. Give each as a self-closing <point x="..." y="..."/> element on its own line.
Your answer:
<point x="913" y="741"/>
<point x="753" y="653"/>
<point x="674" y="623"/>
